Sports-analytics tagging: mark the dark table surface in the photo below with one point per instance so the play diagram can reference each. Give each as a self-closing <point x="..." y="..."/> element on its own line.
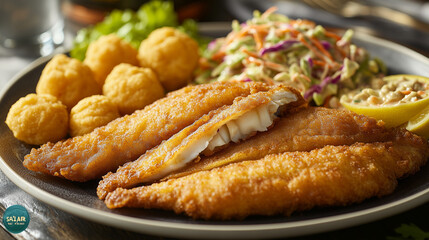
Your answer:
<point x="48" y="222"/>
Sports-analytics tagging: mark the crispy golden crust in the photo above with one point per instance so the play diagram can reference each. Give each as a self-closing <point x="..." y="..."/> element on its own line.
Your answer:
<point x="156" y="52"/>
<point x="171" y="154"/>
<point x="132" y="88"/>
<point x="90" y="113"/>
<point x="92" y="155"/>
<point x="38" y="119"/>
<point x="67" y="79"/>
<point x="311" y="128"/>
<point x="283" y="183"/>
<point x="106" y="52"/>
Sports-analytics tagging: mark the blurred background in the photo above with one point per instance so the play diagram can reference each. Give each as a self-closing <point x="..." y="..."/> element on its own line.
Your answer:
<point x="405" y="21"/>
<point x="402" y="21"/>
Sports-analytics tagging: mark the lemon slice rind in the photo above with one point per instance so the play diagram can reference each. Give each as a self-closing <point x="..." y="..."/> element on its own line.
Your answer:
<point x="392" y="115"/>
<point x="419" y="124"/>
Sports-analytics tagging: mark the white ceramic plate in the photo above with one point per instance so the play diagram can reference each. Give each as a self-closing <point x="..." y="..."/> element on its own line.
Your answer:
<point x="80" y="198"/>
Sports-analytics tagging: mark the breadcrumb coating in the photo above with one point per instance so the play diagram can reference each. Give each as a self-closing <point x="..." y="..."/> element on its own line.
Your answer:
<point x="283" y="183"/>
<point x="38" y="119"/>
<point x="90" y="113"/>
<point x="67" y="79"/>
<point x="132" y="88"/>
<point x="126" y="138"/>
<point x="172" y="54"/>
<point x="107" y="52"/>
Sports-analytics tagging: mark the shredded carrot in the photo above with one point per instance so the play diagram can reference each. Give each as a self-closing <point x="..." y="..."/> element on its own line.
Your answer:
<point x="305" y="77"/>
<point x="250" y="29"/>
<point x="421" y="93"/>
<point x="243" y="32"/>
<point x="259" y="40"/>
<point x="321" y="48"/>
<point x="204" y="63"/>
<point x="253" y="54"/>
<point x="283" y="31"/>
<point x="230" y="37"/>
<point x="269" y="64"/>
<point x="406" y="92"/>
<point x="275" y="66"/>
<point x="257" y="31"/>
<point x="319" y="63"/>
<point x="300" y="22"/>
<point x="337" y="37"/>
<point x="332" y="35"/>
<point x="324" y="59"/>
<point x="269" y="11"/>
<point x="262" y="29"/>
<point x="318" y="54"/>
<point x="219" y="56"/>
<point x="253" y="60"/>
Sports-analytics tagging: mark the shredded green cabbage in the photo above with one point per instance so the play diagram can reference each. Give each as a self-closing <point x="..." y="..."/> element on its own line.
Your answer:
<point x="272" y="48"/>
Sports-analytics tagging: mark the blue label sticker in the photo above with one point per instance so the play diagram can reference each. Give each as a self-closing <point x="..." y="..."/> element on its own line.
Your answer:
<point x="16" y="219"/>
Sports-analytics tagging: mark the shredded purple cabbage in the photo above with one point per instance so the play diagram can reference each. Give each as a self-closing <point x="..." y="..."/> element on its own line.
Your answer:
<point x="310" y="62"/>
<point x="317" y="88"/>
<point x="278" y="47"/>
<point x="330" y="80"/>
<point x="326" y="45"/>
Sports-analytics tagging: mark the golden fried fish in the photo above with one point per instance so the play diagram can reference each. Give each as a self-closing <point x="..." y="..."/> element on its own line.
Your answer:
<point x="284" y="183"/>
<point x="92" y="155"/>
<point x="311" y="128"/>
<point x="246" y="116"/>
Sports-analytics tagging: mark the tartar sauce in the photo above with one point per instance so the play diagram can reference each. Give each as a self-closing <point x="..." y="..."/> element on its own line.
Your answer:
<point x="403" y="90"/>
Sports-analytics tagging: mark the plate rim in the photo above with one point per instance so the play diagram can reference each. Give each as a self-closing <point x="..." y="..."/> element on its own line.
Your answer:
<point x="177" y="229"/>
<point x="222" y="231"/>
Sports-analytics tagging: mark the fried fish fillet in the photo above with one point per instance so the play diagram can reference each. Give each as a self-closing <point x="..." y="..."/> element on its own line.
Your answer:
<point x="284" y="183"/>
<point x="92" y="155"/>
<point x="305" y="130"/>
<point x="246" y="116"/>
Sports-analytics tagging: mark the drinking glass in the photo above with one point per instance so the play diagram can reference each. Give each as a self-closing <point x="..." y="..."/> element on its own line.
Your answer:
<point x="31" y="27"/>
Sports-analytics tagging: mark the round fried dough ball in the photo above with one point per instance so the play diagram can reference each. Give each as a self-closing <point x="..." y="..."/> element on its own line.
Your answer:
<point x="67" y="79"/>
<point x="38" y="119"/>
<point x="172" y="54"/>
<point x="132" y="88"/>
<point x="107" y="52"/>
<point x="90" y="113"/>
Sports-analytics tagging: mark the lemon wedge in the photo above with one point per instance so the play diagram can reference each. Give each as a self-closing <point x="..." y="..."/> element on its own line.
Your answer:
<point x="419" y="124"/>
<point x="392" y="114"/>
<point x="399" y="77"/>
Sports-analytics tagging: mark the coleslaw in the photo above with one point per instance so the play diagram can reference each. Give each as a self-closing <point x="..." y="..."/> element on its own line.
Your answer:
<point x="274" y="49"/>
